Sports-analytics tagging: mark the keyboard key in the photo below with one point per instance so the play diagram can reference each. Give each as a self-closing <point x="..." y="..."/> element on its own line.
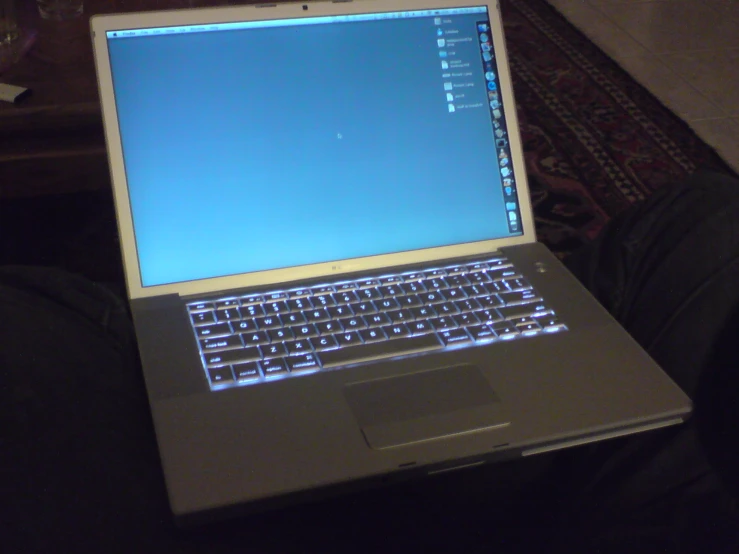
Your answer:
<point x="353" y="323"/>
<point x="220" y="375"/>
<point x="475" y="268"/>
<point x="435" y="284"/>
<point x="479" y="278"/>
<point x="202" y="318"/>
<point x="387" y="304"/>
<point x="369" y="294"/>
<point x="279" y="335"/>
<point x="274" y="296"/>
<point x="360" y="308"/>
<point x="299" y="304"/>
<point x="390" y="291"/>
<point x="412" y="287"/>
<point x="252" y="299"/>
<point x="247" y="371"/>
<point x="392" y="280"/>
<point x="231" y="357"/>
<point x="410" y="301"/>
<point x="433" y="297"/>
<point x="274" y="308"/>
<point x="348" y="338"/>
<point x="481" y="333"/>
<point x="436" y="273"/>
<point x="397" y="316"/>
<point x="551" y="323"/>
<point x="420" y="327"/>
<point x="446" y="308"/>
<point x="323" y="301"/>
<point x="304" y="331"/>
<point x="417" y="276"/>
<point x="230" y="303"/>
<point x="302" y="363"/>
<point x="222" y="343"/>
<point x="455" y="281"/>
<point x="217" y="330"/>
<point x="324" y="343"/>
<point x="424" y="312"/>
<point x="254" y="310"/>
<point x="473" y="291"/>
<point x="488" y="316"/>
<point x="454" y="294"/>
<point x="376" y="320"/>
<point x="315" y="316"/>
<point x="466" y="319"/>
<point x="379" y="350"/>
<point x="299" y="293"/>
<point x="200" y="307"/>
<point x="255" y="338"/>
<point x="346" y="297"/>
<point x="274" y="367"/>
<point x="372" y="335"/>
<point x="227" y="314"/>
<point x="329" y="327"/>
<point x="518" y="284"/>
<point x="298" y="346"/>
<point x="491" y="301"/>
<point x="522" y="297"/>
<point x="294" y="318"/>
<point x="397" y="331"/>
<point x="442" y="323"/>
<point x="322" y="290"/>
<point x="369" y="283"/>
<point x="244" y="326"/>
<point x="455" y="336"/>
<point x="468" y="305"/>
<point x="337" y="312"/>
<point x="269" y="322"/>
<point x="344" y="287"/>
<point x="522" y="310"/>
<point x="274" y="350"/>
<point x="504" y="329"/>
<point x="457" y="270"/>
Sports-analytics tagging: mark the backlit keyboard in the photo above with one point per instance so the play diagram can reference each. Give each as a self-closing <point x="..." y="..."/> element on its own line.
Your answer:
<point x="258" y="337"/>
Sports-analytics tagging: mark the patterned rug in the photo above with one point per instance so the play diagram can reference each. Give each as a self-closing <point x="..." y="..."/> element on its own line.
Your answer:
<point x="595" y="140"/>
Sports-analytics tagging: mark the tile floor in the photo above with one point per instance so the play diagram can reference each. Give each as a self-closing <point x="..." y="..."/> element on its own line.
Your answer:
<point x="685" y="51"/>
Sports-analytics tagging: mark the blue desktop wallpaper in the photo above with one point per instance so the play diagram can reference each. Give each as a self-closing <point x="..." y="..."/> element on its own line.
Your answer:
<point x="274" y="147"/>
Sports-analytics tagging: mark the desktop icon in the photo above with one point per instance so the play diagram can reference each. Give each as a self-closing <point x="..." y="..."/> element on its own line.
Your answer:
<point x="483" y="37"/>
<point x="494" y="104"/>
<point x="488" y="66"/>
<point x="448" y="86"/>
<point x="492" y="85"/>
<point x="442" y="53"/>
<point x="503" y="162"/>
<point x="485" y="47"/>
<point x="437" y="21"/>
<point x="502" y="143"/>
<point x="505" y="172"/>
<point x="508" y="182"/>
<point x="439" y="32"/>
<point x="490" y="76"/>
<point x="449" y="97"/>
<point x="486" y="56"/>
<point x="510" y="205"/>
<point x="508" y="191"/>
<point x="512" y="216"/>
<point x="441" y="42"/>
<point x="499" y="133"/>
<point x="497" y="114"/>
<point x="502" y="154"/>
<point x="444" y="64"/>
<point x="482" y="27"/>
<point x="451" y="108"/>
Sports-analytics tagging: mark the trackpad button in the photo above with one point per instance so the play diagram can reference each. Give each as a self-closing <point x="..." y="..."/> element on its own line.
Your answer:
<point x="423" y="406"/>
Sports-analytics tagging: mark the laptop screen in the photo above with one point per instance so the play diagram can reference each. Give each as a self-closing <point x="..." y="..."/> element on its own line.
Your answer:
<point x="263" y="145"/>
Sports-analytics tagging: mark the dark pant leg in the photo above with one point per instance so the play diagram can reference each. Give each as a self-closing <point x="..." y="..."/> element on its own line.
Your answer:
<point x="668" y="270"/>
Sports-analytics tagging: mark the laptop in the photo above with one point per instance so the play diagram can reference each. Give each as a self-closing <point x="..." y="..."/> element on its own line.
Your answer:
<point x="330" y="254"/>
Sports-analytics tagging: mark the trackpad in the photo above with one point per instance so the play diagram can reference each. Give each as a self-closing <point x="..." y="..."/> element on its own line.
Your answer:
<point x="433" y="404"/>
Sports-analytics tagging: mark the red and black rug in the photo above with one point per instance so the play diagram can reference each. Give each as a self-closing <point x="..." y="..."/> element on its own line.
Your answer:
<point x="595" y="140"/>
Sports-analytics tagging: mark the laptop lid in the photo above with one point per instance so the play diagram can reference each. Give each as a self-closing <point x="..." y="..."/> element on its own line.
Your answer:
<point x="252" y="145"/>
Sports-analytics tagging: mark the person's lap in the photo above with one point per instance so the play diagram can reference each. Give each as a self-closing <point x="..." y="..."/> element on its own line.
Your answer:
<point x="80" y="468"/>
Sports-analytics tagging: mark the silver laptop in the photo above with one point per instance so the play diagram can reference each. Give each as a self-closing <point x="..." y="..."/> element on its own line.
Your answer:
<point x="330" y="254"/>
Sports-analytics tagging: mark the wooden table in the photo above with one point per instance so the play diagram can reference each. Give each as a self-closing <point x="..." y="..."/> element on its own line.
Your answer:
<point x="52" y="142"/>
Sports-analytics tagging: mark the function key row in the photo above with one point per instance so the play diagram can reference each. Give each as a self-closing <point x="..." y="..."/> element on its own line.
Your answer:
<point x="485" y="272"/>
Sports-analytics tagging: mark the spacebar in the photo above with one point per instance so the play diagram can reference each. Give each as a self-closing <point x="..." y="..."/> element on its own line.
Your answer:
<point x="379" y="350"/>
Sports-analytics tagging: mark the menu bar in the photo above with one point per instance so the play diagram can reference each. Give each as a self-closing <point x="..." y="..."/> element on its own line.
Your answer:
<point x="210" y="27"/>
